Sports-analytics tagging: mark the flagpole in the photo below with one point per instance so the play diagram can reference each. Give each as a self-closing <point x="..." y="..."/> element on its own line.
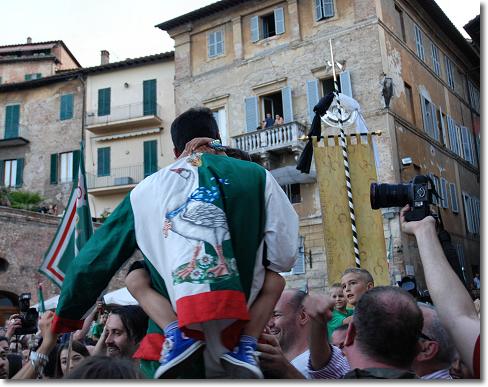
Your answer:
<point x="346" y="163"/>
<point x="71" y="336"/>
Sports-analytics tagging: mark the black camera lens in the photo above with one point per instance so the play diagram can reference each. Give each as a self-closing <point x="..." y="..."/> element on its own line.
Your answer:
<point x="390" y="195"/>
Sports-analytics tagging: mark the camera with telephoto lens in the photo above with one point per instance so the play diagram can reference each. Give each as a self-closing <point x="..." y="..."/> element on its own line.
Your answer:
<point x="416" y="193"/>
<point x="28" y="316"/>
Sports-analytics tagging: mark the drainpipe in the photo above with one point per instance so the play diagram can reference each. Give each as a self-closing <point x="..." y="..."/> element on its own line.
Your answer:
<point x="83" y="110"/>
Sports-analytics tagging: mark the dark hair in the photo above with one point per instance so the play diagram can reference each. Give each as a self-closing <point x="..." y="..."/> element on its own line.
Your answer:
<point x="388" y="323"/>
<point x="49" y="370"/>
<point x="196" y="122"/>
<point x="104" y="367"/>
<point x="5" y="338"/>
<point x="296" y="301"/>
<point x="341" y="328"/>
<point x="77" y="347"/>
<point x="237" y="153"/>
<point x="14" y="364"/>
<point x="134" y="320"/>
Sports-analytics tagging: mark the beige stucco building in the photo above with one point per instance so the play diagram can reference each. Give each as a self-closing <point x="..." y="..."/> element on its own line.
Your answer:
<point x="244" y="59"/>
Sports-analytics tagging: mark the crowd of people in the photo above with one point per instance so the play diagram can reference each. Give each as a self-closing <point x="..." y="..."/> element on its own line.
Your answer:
<point x="48" y="208"/>
<point x="218" y="308"/>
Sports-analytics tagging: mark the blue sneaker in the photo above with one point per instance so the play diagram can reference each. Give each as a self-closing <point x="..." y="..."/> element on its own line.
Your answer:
<point x="178" y="353"/>
<point x="242" y="362"/>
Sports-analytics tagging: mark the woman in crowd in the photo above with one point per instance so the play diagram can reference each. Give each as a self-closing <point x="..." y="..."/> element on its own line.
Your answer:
<point x="78" y="353"/>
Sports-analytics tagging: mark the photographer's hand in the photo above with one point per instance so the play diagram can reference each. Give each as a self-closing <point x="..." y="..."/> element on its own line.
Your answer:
<point x="428" y="224"/>
<point x="13" y="323"/>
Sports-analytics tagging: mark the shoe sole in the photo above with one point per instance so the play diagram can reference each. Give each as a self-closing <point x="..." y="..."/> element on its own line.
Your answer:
<point x="239" y="369"/>
<point x="179" y="364"/>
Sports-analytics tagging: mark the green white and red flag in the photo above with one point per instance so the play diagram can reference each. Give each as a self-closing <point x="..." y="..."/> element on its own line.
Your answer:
<point x="73" y="232"/>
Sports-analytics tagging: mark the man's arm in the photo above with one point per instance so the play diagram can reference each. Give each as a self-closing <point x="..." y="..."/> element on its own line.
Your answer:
<point x="81" y="334"/>
<point x="101" y="347"/>
<point x="452" y="302"/>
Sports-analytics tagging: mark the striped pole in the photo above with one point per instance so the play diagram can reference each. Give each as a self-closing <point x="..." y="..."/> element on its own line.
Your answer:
<point x="346" y="163"/>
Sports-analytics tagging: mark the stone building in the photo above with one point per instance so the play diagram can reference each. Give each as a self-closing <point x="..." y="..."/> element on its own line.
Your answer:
<point x="244" y="59"/>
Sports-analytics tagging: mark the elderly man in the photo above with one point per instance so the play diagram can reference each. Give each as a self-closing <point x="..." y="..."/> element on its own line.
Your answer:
<point x="382" y="339"/>
<point x="438" y="351"/>
<point x="289" y="325"/>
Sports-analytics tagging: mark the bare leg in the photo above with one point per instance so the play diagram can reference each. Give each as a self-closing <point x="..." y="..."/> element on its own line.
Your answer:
<point x="263" y="306"/>
<point x="187" y="270"/>
<point x="156" y="306"/>
<point x="221" y="268"/>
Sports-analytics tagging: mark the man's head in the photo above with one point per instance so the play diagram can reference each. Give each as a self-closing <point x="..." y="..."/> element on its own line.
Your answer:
<point x="339" y="336"/>
<point x="126" y="327"/>
<point x="355" y="282"/>
<point x="385" y="329"/>
<point x="103" y="318"/>
<point x="5" y="343"/>
<point x="268" y="115"/>
<point x="196" y="122"/>
<point x="438" y="350"/>
<point x="3" y="363"/>
<point x="289" y="322"/>
<point x="338" y="295"/>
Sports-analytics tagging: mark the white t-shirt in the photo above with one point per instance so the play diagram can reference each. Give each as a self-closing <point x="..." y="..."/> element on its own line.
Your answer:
<point x="301" y="363"/>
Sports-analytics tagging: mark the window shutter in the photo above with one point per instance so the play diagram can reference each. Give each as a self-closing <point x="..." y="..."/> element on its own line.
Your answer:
<point x="1" y="172"/>
<point x="443" y="193"/>
<point x="211" y="44"/>
<point x="346" y="86"/>
<point x="149" y="97"/>
<point x="328" y="8"/>
<point x="454" y="202"/>
<point x="38" y="75"/>
<point x="466" y="145"/>
<point x="442" y="126"/>
<point x="219" y="40"/>
<point x="251" y="112"/>
<point x="20" y="168"/>
<point x="451" y="127"/>
<point x="450" y="77"/>
<point x="63" y="108"/>
<point x="420" y="43"/>
<point x="312" y="97"/>
<point x="467" y="211"/>
<point x="104" y="102"/>
<point x="27" y="77"/>
<point x="318" y="10"/>
<point x="103" y="162"/>
<point x="12" y="114"/>
<point x="425" y="115"/>
<point x="279" y="17"/>
<point x="76" y="164"/>
<point x="69" y="106"/>
<point x="54" y="168"/>
<point x="150" y="157"/>
<point x="471" y="149"/>
<point x="435" y="59"/>
<point x="255" y="29"/>
<point x="435" y="123"/>
<point x="287" y="104"/>
<point x="460" y="251"/>
<point x="299" y="268"/>
<point x="434" y="198"/>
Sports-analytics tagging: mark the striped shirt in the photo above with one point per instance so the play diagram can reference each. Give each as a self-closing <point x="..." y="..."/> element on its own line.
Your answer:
<point x="335" y="369"/>
<point x="441" y="374"/>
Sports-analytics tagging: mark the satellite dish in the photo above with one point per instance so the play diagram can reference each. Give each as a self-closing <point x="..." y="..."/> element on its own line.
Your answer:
<point x="337" y="112"/>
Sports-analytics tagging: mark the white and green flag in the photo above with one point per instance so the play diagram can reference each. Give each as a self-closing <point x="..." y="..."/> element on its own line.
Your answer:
<point x="73" y="232"/>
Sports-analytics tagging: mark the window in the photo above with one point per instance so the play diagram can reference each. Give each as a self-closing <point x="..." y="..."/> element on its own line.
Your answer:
<point x="460" y="251"/>
<point x="441" y="127"/>
<point x="430" y="118"/>
<point x="409" y="97"/>
<point x="324" y="9"/>
<point x="420" y="43"/>
<point x="32" y="76"/>
<point x="11" y="172"/>
<point x="149" y="97"/>
<point x="450" y="75"/>
<point x="435" y="199"/>
<point x="215" y="43"/>
<point x="104" y="102"/>
<point x="443" y="193"/>
<point x="474" y="97"/>
<point x="454" y="201"/>
<point x="435" y="59"/>
<point x="103" y="162"/>
<point x="402" y="23"/>
<point x="66" y="109"/>
<point x="220" y="117"/>
<point x="64" y="166"/>
<point x="293" y="192"/>
<point x="150" y="157"/>
<point x="471" y="213"/>
<point x="454" y="143"/>
<point x="12" y="114"/>
<point x="268" y="26"/>
<point x="467" y="145"/>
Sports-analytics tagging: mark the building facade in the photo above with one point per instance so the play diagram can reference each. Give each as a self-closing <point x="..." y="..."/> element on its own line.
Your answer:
<point x="245" y="59"/>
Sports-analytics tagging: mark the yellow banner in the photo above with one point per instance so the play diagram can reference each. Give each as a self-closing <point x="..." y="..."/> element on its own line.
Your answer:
<point x="336" y="217"/>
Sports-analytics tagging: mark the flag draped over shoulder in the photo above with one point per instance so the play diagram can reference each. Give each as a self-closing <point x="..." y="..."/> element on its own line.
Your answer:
<point x="73" y="232"/>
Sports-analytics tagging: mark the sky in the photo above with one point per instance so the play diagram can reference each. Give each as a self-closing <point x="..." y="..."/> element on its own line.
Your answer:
<point x="126" y="28"/>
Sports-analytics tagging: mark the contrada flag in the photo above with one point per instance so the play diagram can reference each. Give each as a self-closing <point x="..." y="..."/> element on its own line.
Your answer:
<point x="73" y="232"/>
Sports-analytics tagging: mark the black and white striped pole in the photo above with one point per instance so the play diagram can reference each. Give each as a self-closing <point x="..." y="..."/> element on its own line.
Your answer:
<point x="346" y="163"/>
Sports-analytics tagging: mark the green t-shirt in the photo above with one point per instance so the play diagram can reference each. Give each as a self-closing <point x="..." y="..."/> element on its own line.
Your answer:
<point x="98" y="330"/>
<point x="337" y="318"/>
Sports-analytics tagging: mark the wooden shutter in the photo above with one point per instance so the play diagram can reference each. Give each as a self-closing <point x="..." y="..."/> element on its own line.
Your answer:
<point x="443" y="193"/>
<point x="12" y="114"/>
<point x="104" y="102"/>
<point x="466" y="145"/>
<point x="149" y="97"/>
<point x="435" y="123"/>
<point x="318" y="10"/>
<point x="103" y="161"/>
<point x="299" y="267"/>
<point x="454" y="201"/>
<point x="467" y="211"/>
<point x="425" y="116"/>
<point x="442" y="126"/>
<point x="346" y="86"/>
<point x="471" y="147"/>
<point x="150" y="157"/>
<point x="328" y="8"/>
<point x="435" y="59"/>
<point x="251" y="113"/>
<point x="287" y="104"/>
<point x="219" y="42"/>
<point x="27" y="77"/>
<point x="279" y="17"/>
<point x="18" y="176"/>
<point x="66" y="110"/>
<point x="420" y="43"/>
<point x="211" y="44"/>
<point x="460" y="251"/>
<point x="54" y="168"/>
<point x="312" y="97"/>
<point x="76" y="164"/>
<point x="255" y="29"/>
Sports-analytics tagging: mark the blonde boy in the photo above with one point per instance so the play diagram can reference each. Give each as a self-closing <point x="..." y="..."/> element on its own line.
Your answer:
<point x="355" y="282"/>
<point x="340" y="311"/>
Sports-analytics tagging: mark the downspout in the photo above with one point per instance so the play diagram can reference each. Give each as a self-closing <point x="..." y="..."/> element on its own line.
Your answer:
<point x="83" y="110"/>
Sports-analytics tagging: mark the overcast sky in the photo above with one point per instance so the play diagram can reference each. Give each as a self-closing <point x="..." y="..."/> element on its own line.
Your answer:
<point x="126" y="28"/>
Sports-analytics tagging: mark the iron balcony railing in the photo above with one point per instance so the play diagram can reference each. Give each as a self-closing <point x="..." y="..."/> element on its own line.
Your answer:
<point x="120" y="176"/>
<point x="123" y="112"/>
<point x="276" y="138"/>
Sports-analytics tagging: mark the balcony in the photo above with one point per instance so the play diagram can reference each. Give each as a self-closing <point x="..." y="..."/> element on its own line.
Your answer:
<point x="120" y="180"/>
<point x="14" y="136"/>
<point x="275" y="140"/>
<point x="122" y="117"/>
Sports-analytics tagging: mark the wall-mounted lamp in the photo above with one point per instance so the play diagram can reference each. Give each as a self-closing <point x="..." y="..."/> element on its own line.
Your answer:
<point x="126" y="85"/>
<point x="407" y="161"/>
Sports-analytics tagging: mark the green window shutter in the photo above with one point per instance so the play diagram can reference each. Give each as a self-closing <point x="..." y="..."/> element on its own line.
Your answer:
<point x="27" y="77"/>
<point x="12" y="115"/>
<point x="66" y="110"/>
<point x="76" y="163"/>
<point x="1" y="172"/>
<point x="104" y="102"/>
<point x="103" y="162"/>
<point x="63" y="108"/>
<point x="149" y="97"/>
<point x="54" y="168"/>
<point x="38" y="75"/>
<point x="69" y="108"/>
<point x="20" y="168"/>
<point x="0" y="80"/>
<point x="150" y="157"/>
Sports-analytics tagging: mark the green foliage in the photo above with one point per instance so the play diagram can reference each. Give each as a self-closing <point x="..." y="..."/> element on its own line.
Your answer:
<point x="104" y="215"/>
<point x="24" y="200"/>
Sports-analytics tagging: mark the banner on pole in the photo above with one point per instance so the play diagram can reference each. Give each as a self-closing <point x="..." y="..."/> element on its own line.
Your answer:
<point x="73" y="232"/>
